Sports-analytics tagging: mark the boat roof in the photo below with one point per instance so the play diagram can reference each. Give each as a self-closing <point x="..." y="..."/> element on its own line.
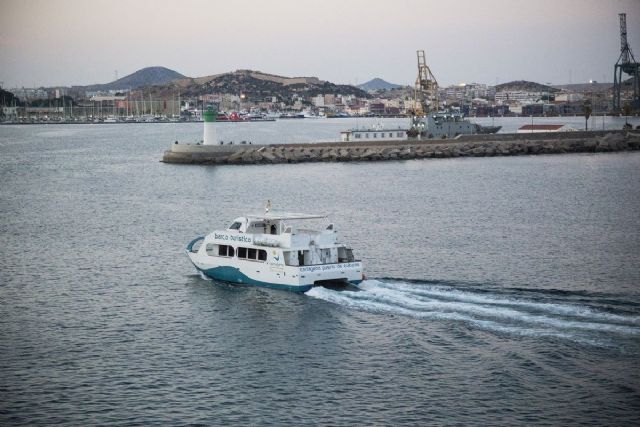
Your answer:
<point x="285" y="215"/>
<point x="374" y="130"/>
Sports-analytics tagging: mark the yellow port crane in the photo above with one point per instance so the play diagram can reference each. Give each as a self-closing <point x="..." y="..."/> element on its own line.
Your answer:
<point x="426" y="89"/>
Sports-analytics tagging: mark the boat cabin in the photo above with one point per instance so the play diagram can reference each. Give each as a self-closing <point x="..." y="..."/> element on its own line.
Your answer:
<point x="373" y="135"/>
<point x="285" y="234"/>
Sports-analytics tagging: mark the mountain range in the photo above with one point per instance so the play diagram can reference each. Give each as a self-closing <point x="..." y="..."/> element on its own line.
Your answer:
<point x="259" y="86"/>
<point x="253" y="85"/>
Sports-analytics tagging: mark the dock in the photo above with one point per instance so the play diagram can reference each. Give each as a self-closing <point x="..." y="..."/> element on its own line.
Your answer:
<point x="461" y="146"/>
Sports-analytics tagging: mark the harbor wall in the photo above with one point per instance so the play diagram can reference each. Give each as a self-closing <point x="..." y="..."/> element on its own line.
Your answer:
<point x="463" y="146"/>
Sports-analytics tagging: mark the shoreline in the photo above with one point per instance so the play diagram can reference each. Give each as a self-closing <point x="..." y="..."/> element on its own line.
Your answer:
<point x="462" y="146"/>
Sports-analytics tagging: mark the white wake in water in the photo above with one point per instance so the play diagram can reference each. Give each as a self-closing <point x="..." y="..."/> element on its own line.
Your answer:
<point x="489" y="311"/>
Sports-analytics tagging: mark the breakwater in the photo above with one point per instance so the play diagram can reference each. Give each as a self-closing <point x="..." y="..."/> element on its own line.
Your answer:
<point x="462" y="146"/>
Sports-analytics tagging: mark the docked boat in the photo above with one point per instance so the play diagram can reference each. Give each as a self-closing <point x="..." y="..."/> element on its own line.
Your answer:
<point x="276" y="250"/>
<point x="446" y="124"/>
<point x="440" y="125"/>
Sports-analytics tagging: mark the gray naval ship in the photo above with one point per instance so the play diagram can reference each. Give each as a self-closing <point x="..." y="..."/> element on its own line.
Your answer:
<point x="445" y="124"/>
<point x="431" y="122"/>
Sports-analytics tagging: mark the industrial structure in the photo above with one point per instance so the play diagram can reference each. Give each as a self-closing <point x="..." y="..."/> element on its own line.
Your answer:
<point x="626" y="63"/>
<point x="426" y="88"/>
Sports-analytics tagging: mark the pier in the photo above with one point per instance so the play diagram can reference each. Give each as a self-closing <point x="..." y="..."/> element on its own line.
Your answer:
<point x="462" y="146"/>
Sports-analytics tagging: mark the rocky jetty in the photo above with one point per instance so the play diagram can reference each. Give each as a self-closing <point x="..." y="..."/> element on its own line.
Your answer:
<point x="467" y="146"/>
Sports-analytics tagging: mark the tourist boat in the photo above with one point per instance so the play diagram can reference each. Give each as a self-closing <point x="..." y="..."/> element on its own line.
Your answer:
<point x="276" y="250"/>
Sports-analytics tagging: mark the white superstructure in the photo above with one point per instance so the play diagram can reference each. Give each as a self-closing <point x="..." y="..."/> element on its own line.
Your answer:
<point x="373" y="134"/>
<point x="277" y="250"/>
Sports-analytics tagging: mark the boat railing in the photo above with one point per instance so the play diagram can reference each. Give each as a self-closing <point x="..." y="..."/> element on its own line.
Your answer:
<point x="193" y="242"/>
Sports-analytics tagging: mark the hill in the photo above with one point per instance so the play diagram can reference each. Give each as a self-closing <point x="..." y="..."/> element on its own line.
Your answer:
<point x="145" y="77"/>
<point x="585" y="87"/>
<point x="256" y="86"/>
<point x="525" y="86"/>
<point x="377" y="84"/>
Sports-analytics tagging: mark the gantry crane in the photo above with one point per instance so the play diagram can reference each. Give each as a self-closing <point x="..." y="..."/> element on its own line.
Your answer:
<point x="426" y="89"/>
<point x="627" y="64"/>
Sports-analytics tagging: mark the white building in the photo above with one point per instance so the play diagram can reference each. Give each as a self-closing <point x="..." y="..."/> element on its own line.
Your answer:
<point x="569" y="97"/>
<point x="467" y="91"/>
<point x="518" y="96"/>
<point x="545" y="128"/>
<point x="373" y="135"/>
<point x="329" y="99"/>
<point x="318" y="100"/>
<point x="107" y="98"/>
<point x="27" y="93"/>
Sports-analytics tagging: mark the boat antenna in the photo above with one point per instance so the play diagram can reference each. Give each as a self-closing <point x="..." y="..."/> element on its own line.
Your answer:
<point x="267" y="208"/>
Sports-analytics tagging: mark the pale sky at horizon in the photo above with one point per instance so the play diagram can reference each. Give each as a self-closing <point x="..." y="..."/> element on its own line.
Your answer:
<point x="74" y="42"/>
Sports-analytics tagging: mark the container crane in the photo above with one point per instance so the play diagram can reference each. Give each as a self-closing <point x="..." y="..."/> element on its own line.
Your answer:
<point x="426" y="88"/>
<point x="626" y="63"/>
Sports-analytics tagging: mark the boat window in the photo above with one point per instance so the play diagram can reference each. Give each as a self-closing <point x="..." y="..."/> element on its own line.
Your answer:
<point x="224" y="250"/>
<point x="235" y="226"/>
<point x="289" y="258"/>
<point x="252" y="254"/>
<point x="350" y="257"/>
<point x="242" y="252"/>
<point x="211" y="248"/>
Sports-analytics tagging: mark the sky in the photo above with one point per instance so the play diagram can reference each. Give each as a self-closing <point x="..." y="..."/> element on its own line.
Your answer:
<point x="79" y="42"/>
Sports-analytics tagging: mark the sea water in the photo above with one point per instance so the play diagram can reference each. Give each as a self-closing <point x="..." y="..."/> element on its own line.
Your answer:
<point x="499" y="291"/>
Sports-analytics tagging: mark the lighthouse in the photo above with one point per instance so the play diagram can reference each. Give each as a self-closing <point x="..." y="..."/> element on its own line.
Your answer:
<point x="209" y="126"/>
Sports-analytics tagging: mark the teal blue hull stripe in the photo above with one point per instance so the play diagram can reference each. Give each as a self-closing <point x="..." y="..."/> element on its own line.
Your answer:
<point x="233" y="275"/>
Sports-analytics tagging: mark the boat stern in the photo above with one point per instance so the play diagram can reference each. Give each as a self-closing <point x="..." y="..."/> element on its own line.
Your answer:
<point x="347" y="272"/>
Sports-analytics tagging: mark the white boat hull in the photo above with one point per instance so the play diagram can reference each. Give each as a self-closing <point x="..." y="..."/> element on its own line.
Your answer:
<point x="273" y="274"/>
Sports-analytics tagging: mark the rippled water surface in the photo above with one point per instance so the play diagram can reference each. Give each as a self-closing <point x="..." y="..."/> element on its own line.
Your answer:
<point x="499" y="291"/>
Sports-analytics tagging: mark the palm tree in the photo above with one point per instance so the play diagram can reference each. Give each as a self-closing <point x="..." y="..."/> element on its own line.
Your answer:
<point x="587" y="113"/>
